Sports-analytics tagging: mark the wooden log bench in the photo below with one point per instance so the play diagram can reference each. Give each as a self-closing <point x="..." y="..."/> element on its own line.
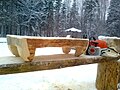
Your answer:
<point x="108" y="74"/>
<point x="25" y="46"/>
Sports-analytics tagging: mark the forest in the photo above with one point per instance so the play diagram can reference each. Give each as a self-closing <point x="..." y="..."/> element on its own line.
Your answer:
<point x="52" y="17"/>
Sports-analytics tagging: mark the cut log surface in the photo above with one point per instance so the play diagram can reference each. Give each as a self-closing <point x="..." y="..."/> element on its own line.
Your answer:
<point x="114" y="43"/>
<point x="25" y="46"/>
<point x="18" y="65"/>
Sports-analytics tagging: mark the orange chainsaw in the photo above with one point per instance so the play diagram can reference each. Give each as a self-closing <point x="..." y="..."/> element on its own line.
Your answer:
<point x="95" y="47"/>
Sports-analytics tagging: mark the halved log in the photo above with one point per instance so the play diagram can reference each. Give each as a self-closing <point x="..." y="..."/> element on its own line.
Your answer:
<point x="52" y="62"/>
<point x="25" y="46"/>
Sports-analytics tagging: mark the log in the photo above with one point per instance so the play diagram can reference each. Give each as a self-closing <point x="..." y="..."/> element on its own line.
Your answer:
<point x="107" y="76"/>
<point x="25" y="46"/>
<point x="108" y="73"/>
<point x="55" y="62"/>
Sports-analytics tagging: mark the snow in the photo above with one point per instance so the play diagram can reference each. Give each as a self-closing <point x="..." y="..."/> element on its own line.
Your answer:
<point x="106" y="37"/>
<point x="70" y="78"/>
<point x="73" y="30"/>
<point x="74" y="78"/>
<point x="3" y="40"/>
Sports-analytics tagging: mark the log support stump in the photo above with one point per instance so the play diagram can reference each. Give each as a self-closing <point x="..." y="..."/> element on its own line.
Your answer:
<point x="107" y="76"/>
<point x="79" y="50"/>
<point x="13" y="50"/>
<point x="66" y="50"/>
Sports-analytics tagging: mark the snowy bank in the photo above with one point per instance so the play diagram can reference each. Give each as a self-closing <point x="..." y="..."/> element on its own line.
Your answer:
<point x="3" y="40"/>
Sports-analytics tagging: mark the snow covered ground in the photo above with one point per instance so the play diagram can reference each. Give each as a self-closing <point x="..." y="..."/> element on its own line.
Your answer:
<point x="70" y="78"/>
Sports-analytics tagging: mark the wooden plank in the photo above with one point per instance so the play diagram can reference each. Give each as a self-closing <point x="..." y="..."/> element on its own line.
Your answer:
<point x="52" y="63"/>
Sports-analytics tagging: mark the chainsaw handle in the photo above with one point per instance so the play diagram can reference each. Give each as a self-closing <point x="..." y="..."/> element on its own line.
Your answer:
<point x="92" y="38"/>
<point x="94" y="43"/>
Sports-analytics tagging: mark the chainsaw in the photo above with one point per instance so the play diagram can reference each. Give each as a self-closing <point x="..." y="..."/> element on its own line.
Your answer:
<point x="100" y="48"/>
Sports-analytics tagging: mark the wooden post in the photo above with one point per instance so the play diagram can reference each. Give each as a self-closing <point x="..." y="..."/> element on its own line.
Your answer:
<point x="107" y="76"/>
<point x="108" y="73"/>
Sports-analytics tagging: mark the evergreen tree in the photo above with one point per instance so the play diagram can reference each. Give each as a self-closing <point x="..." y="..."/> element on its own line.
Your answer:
<point x="7" y="17"/>
<point x="49" y="17"/>
<point x="68" y="9"/>
<point x="90" y="8"/>
<point x="50" y="20"/>
<point x="102" y="13"/>
<point x="113" y="19"/>
<point x="74" y="16"/>
<point x="28" y="16"/>
<point x="57" y="15"/>
<point x="63" y="17"/>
